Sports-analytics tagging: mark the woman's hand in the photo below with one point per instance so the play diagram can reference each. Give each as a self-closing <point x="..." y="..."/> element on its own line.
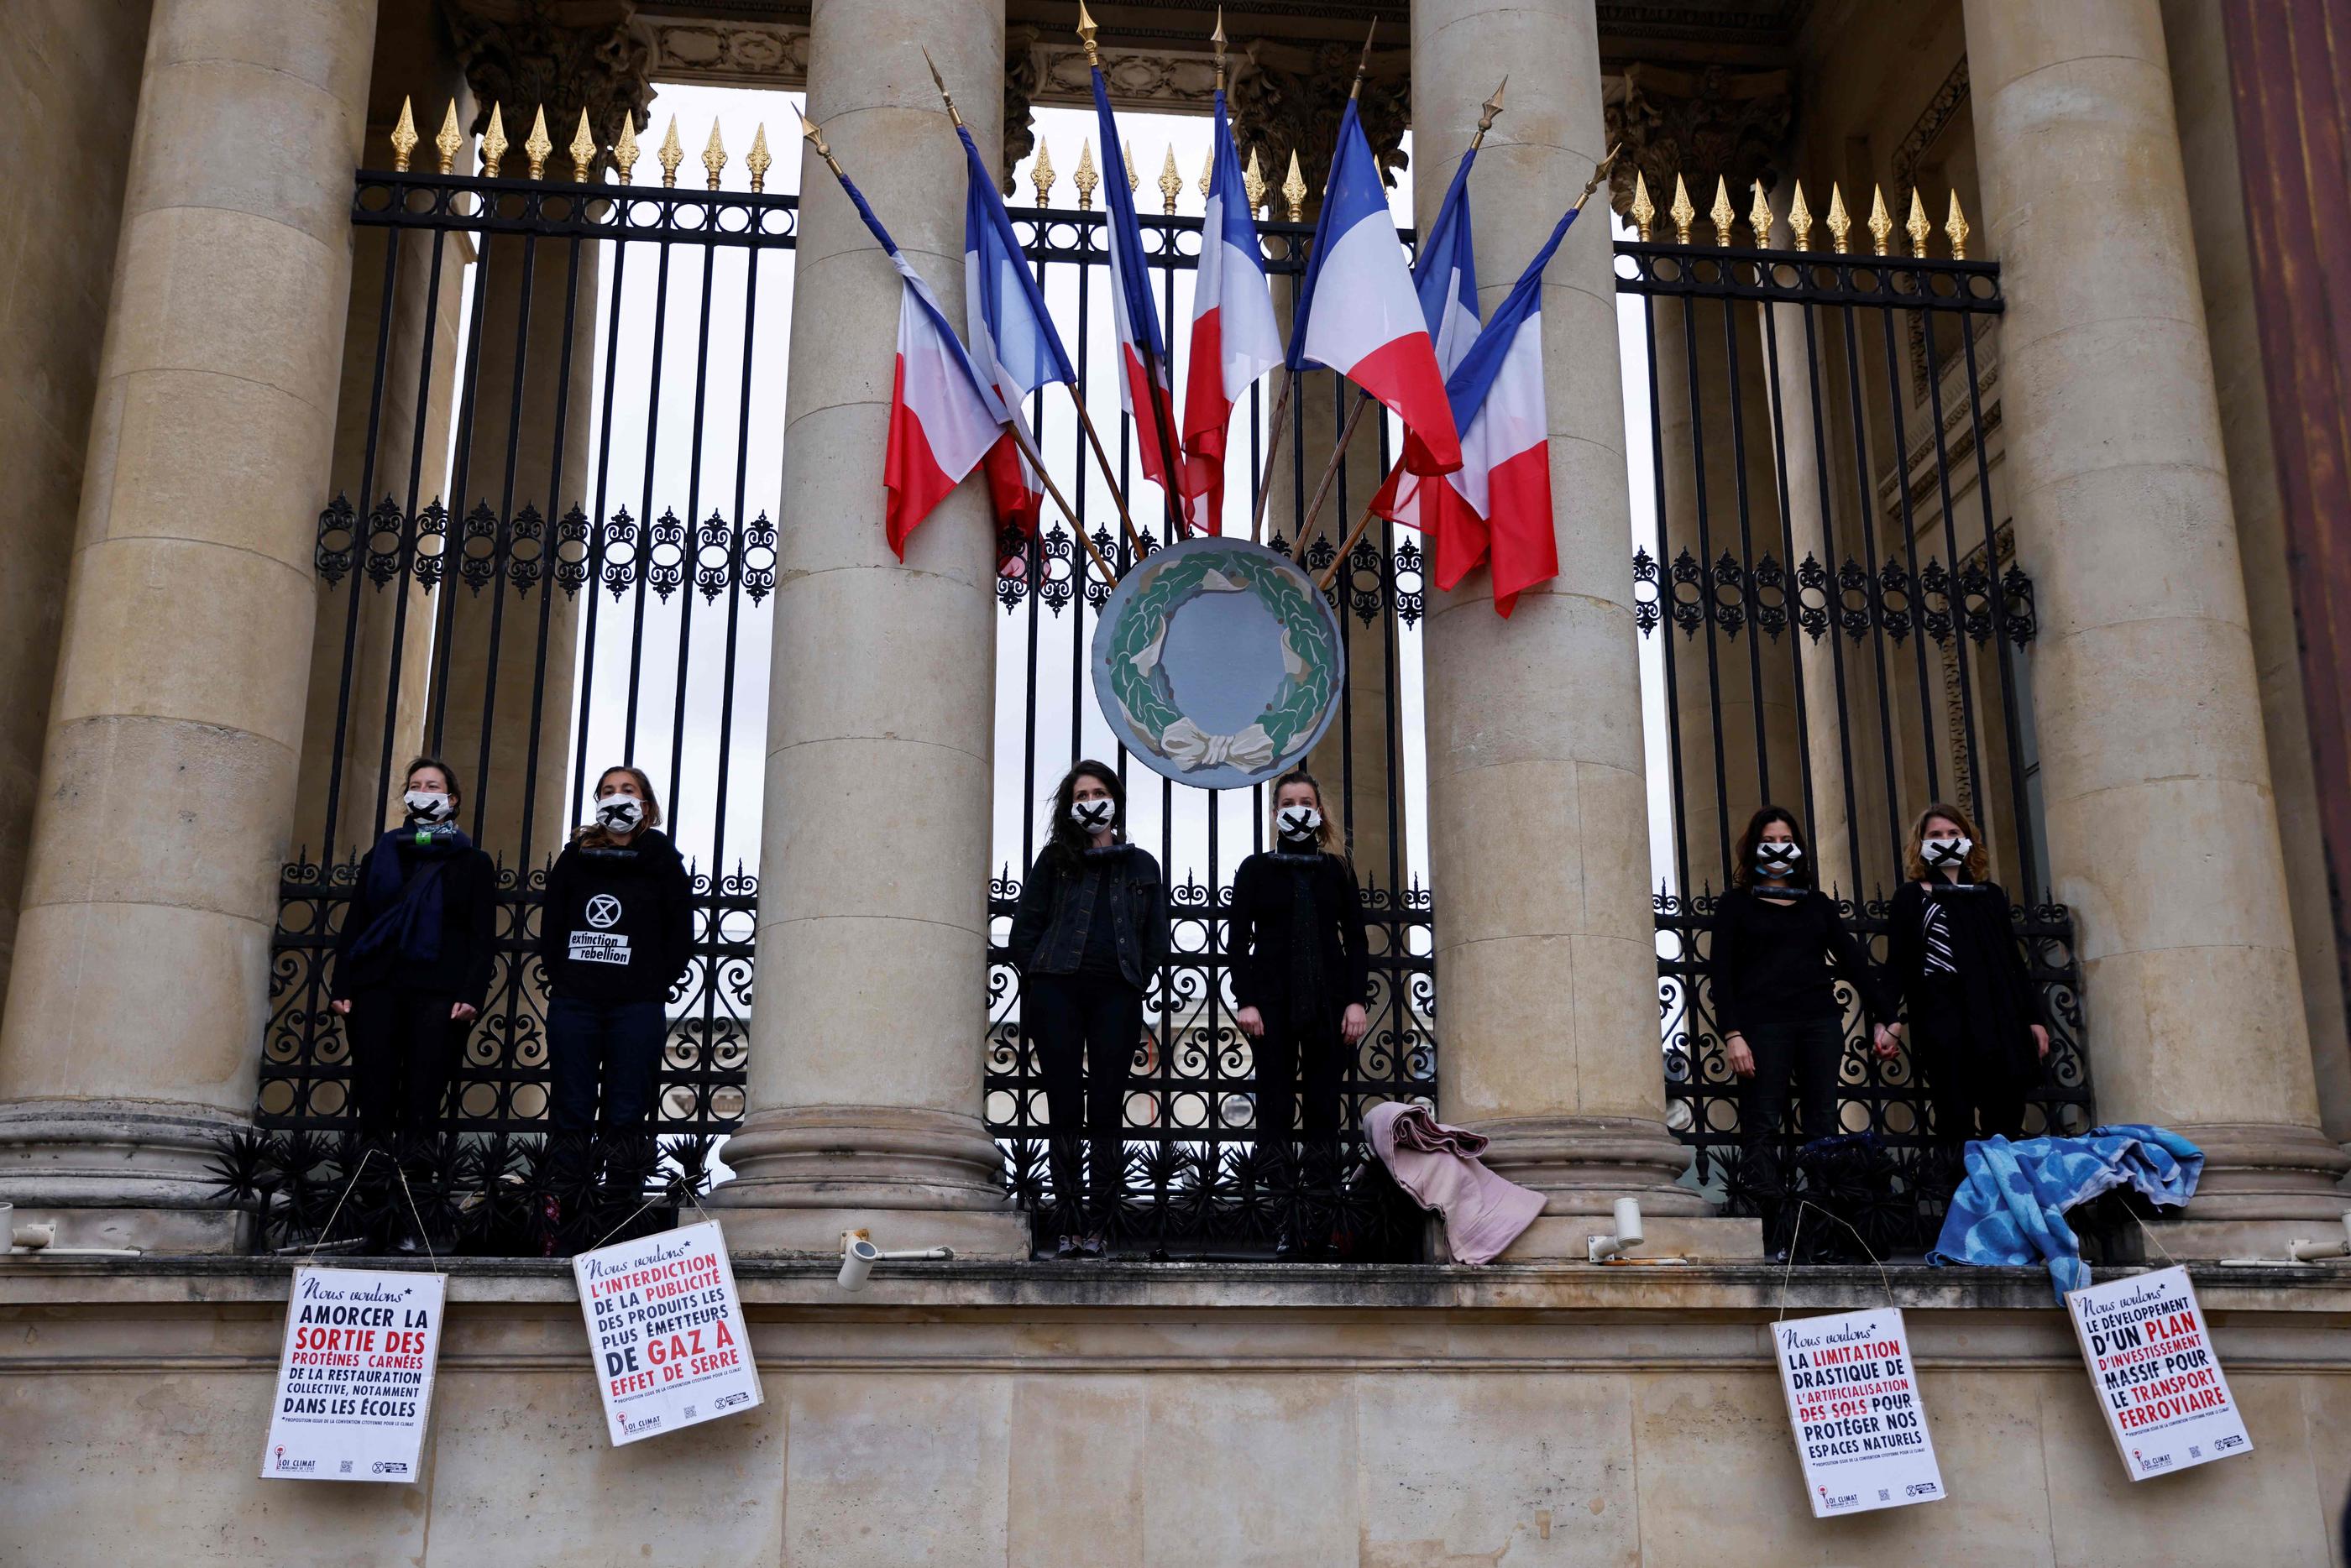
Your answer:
<point x="2040" y="1041"/>
<point x="462" y="1013"/>
<point x="1742" y="1060"/>
<point x="340" y="1007"/>
<point x="1354" y="1023"/>
<point x="1251" y="1021"/>
<point x="1889" y="1044"/>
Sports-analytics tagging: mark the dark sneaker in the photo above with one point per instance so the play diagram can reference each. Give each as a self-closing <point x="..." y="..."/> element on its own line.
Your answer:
<point x="1091" y="1247"/>
<point x="1066" y="1249"/>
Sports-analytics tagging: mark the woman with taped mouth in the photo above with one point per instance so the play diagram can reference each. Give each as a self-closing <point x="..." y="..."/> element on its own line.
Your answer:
<point x="1977" y="1031"/>
<point x="1775" y="937"/>
<point x="1301" y="969"/>
<point x="615" y="936"/>
<point x="1089" y="937"/>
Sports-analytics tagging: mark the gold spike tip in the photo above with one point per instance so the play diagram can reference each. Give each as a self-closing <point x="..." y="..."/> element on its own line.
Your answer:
<point x="1758" y="218"/>
<point x="714" y="156"/>
<point x="954" y="115"/>
<point x="494" y="145"/>
<point x="538" y="145"/>
<point x="1086" y="178"/>
<point x="1208" y="172"/>
<point x="1364" y="61"/>
<point x="1086" y="31"/>
<point x="1253" y="181"/>
<point x="1041" y="173"/>
<point x="403" y="137"/>
<point x="1217" y="38"/>
<point x="1881" y="223"/>
<point x="1133" y="175"/>
<point x="1956" y="229"/>
<point x="582" y="150"/>
<point x="1643" y="212"/>
<point x="1293" y="190"/>
<point x="450" y="141"/>
<point x="1918" y="228"/>
<point x="759" y="159"/>
<point x="624" y="150"/>
<point x="1840" y="221"/>
<point x="1720" y="214"/>
<point x="1681" y="211"/>
<point x="671" y="153"/>
<point x="1171" y="183"/>
<point x="1800" y="219"/>
<point x="1487" y="112"/>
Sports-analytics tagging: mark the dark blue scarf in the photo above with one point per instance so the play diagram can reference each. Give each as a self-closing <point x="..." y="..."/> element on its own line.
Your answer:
<point x="408" y="912"/>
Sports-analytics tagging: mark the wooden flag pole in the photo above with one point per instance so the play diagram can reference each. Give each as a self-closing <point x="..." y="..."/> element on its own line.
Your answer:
<point x="1272" y="450"/>
<point x="1102" y="460"/>
<point x="1331" y="473"/>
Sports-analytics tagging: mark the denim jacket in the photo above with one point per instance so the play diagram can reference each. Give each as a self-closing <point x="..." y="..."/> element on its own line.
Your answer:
<point x="1057" y="905"/>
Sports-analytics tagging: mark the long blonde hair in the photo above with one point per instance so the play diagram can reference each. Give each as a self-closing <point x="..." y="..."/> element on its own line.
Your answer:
<point x="1326" y="837"/>
<point x="1914" y="854"/>
<point x="594" y="835"/>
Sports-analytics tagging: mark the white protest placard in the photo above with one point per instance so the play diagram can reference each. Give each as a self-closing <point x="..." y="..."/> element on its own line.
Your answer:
<point x="1852" y="1399"/>
<point x="355" y="1380"/>
<point x="667" y="1328"/>
<point x="2158" y="1380"/>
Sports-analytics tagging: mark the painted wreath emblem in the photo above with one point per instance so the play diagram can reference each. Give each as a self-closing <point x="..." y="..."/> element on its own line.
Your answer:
<point x="1141" y="684"/>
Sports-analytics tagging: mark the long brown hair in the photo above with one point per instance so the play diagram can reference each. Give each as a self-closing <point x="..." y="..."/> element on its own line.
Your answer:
<point x="1326" y="837"/>
<point x="594" y="835"/>
<point x="1742" y="872"/>
<point x="1914" y="853"/>
<point x="1064" y="838"/>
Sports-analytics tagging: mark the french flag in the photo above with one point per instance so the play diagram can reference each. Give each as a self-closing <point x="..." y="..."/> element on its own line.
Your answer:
<point x="1445" y="277"/>
<point x="1234" y="337"/>
<point x="1013" y="344"/>
<point x="1505" y="479"/>
<point x="1373" y="331"/>
<point x="1143" y="385"/>
<point x="943" y="416"/>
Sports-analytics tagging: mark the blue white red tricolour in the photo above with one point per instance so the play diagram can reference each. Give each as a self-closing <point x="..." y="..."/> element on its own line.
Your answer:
<point x="1234" y="337"/>
<point x="1142" y="384"/>
<point x="1013" y="344"/>
<point x="1357" y="313"/>
<point x="1445" y="277"/>
<point x="944" y="416"/>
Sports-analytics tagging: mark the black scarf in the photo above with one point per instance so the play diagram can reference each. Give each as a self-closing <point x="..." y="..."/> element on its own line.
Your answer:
<point x="408" y="913"/>
<point x="1305" y="922"/>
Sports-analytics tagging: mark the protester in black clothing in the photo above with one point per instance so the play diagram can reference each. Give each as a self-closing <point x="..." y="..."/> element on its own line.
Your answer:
<point x="1976" y="1029"/>
<point x="413" y="960"/>
<point x="616" y="933"/>
<point x="1090" y="935"/>
<point x="1300" y="966"/>
<point x="1775" y="999"/>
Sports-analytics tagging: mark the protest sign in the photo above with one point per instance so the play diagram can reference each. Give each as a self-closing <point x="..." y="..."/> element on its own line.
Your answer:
<point x="2158" y="1380"/>
<point x="1852" y="1399"/>
<point x="666" y="1329"/>
<point x="355" y="1380"/>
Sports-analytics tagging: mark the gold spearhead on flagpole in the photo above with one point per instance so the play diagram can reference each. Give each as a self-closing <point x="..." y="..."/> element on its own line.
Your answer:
<point x="1599" y="173"/>
<point x="816" y="140"/>
<point x="1086" y="31"/>
<point x="1217" y="38"/>
<point x="1362" y="61"/>
<point x="1492" y="108"/>
<point x="945" y="97"/>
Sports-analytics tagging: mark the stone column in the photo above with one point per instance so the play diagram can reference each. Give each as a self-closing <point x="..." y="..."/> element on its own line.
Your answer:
<point x="135" y="1011"/>
<point x="2162" y="829"/>
<point x="1538" y="799"/>
<point x="872" y="925"/>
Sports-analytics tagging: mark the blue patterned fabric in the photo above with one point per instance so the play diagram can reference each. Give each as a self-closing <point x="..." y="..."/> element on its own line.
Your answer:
<point x="2010" y="1210"/>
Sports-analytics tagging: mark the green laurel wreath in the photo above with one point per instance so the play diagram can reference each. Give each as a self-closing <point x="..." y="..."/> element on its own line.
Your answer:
<point x="1149" y="699"/>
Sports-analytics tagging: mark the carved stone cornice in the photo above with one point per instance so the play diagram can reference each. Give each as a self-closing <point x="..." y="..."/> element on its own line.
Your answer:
<point x="1705" y="124"/>
<point x="761" y="54"/>
<point x="563" y="55"/>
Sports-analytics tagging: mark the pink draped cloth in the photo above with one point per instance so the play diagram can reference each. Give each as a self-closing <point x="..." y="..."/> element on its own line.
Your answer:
<point x="1438" y="1165"/>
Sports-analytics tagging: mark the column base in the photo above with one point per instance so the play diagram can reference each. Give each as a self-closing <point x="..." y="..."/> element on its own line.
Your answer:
<point x="1583" y="1164"/>
<point x="759" y="1232"/>
<point x="1707" y="1238"/>
<point x="914" y="1177"/>
<point x="119" y="1173"/>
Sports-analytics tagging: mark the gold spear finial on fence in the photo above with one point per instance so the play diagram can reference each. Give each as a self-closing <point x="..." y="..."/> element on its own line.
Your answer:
<point x="1293" y="190"/>
<point x="403" y="137"/>
<point x="1758" y="218"/>
<point x="1881" y="221"/>
<point x="1171" y="183"/>
<point x="1041" y="173"/>
<point x="1487" y="114"/>
<point x="714" y="156"/>
<point x="582" y="150"/>
<point x="494" y="145"/>
<point x="759" y="159"/>
<point x="671" y="153"/>
<point x="624" y="150"/>
<point x="1253" y="180"/>
<point x="1840" y="221"/>
<point x="1643" y="212"/>
<point x="1086" y="31"/>
<point x="1800" y="219"/>
<point x="1681" y="211"/>
<point x="1918" y="228"/>
<point x="1086" y="179"/>
<point x="1133" y="175"/>
<point x="1208" y="172"/>
<point x="450" y="141"/>
<point x="538" y="144"/>
<point x="1720" y="214"/>
<point x="1956" y="227"/>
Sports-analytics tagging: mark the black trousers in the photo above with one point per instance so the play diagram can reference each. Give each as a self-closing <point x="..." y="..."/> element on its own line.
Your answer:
<point x="612" y="1045"/>
<point x="405" y="1051"/>
<point x="1081" y="1021"/>
<point x="1805" y="1053"/>
<point x="1960" y="1100"/>
<point x="1299" y="1067"/>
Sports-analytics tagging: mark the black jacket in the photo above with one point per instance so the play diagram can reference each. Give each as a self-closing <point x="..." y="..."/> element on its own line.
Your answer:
<point x="617" y="924"/>
<point x="1988" y="1009"/>
<point x="469" y="914"/>
<point x="1770" y="962"/>
<point x="1263" y="940"/>
<point x="1060" y="900"/>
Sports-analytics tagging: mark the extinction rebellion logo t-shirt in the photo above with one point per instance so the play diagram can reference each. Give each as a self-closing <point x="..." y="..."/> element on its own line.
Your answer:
<point x="617" y="924"/>
<point x="595" y="941"/>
